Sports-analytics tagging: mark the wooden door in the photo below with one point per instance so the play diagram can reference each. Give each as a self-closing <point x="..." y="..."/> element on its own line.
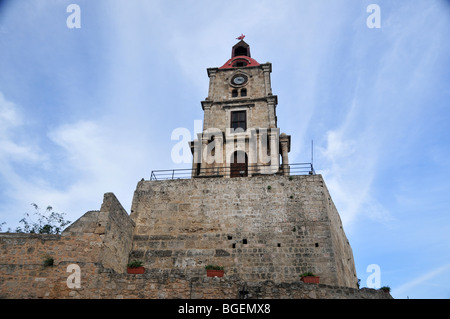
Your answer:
<point x="239" y="165"/>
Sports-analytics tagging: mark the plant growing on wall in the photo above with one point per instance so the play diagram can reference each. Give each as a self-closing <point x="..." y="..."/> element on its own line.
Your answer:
<point x="213" y="267"/>
<point x="135" y="264"/>
<point x="386" y="289"/>
<point x="49" y="222"/>
<point x="307" y="274"/>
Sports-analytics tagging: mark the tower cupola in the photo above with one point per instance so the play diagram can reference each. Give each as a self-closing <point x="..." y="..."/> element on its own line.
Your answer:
<point x="240" y="57"/>
<point x="240" y="49"/>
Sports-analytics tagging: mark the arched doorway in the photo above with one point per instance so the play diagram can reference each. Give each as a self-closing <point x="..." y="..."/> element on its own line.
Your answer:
<point x="239" y="164"/>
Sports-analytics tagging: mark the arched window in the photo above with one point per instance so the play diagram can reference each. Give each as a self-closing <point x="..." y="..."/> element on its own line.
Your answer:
<point x="244" y="92"/>
<point x="234" y="93"/>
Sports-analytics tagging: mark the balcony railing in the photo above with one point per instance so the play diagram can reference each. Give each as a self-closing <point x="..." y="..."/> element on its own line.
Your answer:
<point x="227" y="171"/>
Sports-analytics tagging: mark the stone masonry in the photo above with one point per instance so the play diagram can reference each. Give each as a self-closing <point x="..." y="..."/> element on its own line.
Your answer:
<point x="259" y="228"/>
<point x="102" y="242"/>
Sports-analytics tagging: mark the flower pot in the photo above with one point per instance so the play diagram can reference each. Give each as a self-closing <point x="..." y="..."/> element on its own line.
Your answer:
<point x="214" y="273"/>
<point x="137" y="270"/>
<point x="311" y="279"/>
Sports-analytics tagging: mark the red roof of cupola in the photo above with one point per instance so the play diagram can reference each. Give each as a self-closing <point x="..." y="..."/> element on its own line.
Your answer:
<point x="240" y="56"/>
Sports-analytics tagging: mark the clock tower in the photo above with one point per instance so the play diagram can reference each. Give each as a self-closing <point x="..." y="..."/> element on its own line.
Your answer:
<point x="240" y="136"/>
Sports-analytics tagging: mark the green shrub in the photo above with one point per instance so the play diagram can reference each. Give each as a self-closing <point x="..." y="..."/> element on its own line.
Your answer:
<point x="213" y="267"/>
<point x="135" y="264"/>
<point x="307" y="274"/>
<point x="386" y="288"/>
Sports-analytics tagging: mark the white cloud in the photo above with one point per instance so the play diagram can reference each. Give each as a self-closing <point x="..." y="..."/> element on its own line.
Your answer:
<point x="71" y="170"/>
<point x="351" y="157"/>
<point x="410" y="285"/>
<point x="394" y="76"/>
<point x="338" y="147"/>
<point x="15" y="146"/>
<point x="100" y="158"/>
<point x="349" y="178"/>
<point x="19" y="156"/>
<point x="86" y="149"/>
<point x="8" y="114"/>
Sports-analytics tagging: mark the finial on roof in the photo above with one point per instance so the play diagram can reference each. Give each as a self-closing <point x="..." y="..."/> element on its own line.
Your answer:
<point x="241" y="37"/>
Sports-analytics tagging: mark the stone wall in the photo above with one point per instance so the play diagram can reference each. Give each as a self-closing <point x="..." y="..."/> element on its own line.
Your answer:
<point x="264" y="237"/>
<point x="99" y="241"/>
<point x="100" y="283"/>
<point x="22" y="270"/>
<point x="259" y="228"/>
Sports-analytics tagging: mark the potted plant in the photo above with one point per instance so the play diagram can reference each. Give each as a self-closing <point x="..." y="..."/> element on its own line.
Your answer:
<point x="214" y="271"/>
<point x="135" y="267"/>
<point x="310" y="278"/>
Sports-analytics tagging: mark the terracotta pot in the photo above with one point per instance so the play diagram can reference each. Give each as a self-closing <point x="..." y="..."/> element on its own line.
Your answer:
<point x="311" y="279"/>
<point x="138" y="270"/>
<point x="214" y="273"/>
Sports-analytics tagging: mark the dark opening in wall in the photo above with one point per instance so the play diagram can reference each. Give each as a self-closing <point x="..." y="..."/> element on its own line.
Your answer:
<point x="244" y="241"/>
<point x="317" y="244"/>
<point x="230" y="237"/>
<point x="241" y="50"/>
<point x="278" y="245"/>
<point x="239" y="64"/>
<point x="233" y="246"/>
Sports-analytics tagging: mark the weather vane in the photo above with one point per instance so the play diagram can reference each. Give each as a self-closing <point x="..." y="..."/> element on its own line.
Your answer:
<point x="241" y="37"/>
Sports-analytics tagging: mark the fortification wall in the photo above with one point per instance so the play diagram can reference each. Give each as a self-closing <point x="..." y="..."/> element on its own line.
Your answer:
<point x="100" y="283"/>
<point x="260" y="228"/>
<point x="99" y="241"/>
<point x="179" y="227"/>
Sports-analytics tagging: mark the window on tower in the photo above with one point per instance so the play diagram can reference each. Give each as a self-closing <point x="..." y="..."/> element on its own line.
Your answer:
<point x="244" y="92"/>
<point x="239" y="120"/>
<point x="234" y="93"/>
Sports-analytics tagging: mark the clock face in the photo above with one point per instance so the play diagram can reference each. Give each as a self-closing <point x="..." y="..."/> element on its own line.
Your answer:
<point x="239" y="79"/>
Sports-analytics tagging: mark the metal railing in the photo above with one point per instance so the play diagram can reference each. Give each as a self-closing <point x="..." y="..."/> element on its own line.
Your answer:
<point x="228" y="171"/>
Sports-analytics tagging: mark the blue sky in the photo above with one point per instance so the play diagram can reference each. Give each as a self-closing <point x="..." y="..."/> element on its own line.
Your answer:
<point x="91" y="110"/>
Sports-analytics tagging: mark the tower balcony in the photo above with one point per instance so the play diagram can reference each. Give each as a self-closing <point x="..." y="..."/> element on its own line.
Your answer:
<point x="231" y="172"/>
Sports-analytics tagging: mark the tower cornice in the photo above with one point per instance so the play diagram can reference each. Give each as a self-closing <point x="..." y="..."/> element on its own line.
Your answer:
<point x="271" y="99"/>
